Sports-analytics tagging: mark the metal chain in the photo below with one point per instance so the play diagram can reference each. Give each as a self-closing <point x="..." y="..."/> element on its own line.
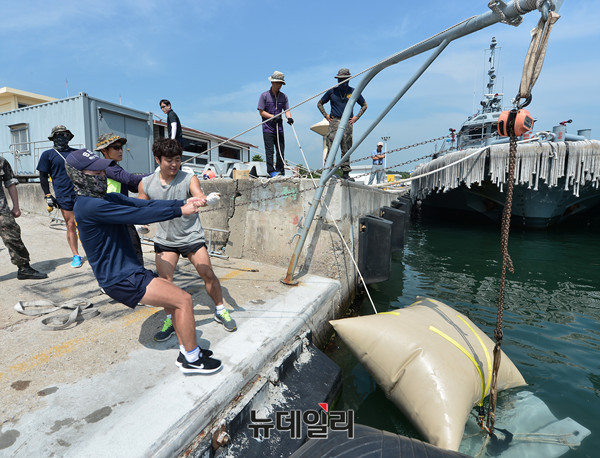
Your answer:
<point x="506" y="264"/>
<point x="400" y="164"/>
<point x="291" y="179"/>
<point x="414" y="145"/>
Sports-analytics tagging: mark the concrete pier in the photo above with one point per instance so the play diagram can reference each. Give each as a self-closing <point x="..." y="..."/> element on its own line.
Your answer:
<point x="104" y="387"/>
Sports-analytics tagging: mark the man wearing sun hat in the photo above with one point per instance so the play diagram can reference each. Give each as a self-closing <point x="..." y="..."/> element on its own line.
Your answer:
<point x="271" y="106"/>
<point x="52" y="164"/>
<point x="101" y="221"/>
<point x="118" y="179"/>
<point x="338" y="98"/>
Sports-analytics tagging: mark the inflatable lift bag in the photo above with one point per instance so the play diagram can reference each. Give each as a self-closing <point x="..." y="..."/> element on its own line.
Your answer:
<point x="374" y="248"/>
<point x="431" y="361"/>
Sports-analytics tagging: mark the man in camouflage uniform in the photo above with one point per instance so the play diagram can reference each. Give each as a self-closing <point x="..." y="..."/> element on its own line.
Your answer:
<point x="338" y="98"/>
<point x="10" y="230"/>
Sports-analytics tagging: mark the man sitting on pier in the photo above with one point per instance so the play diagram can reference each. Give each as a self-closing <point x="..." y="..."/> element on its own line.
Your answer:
<point x="102" y="223"/>
<point x="181" y="236"/>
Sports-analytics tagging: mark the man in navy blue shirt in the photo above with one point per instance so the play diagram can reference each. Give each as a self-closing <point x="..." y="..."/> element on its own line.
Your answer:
<point x="271" y="104"/>
<point x="338" y="98"/>
<point x="102" y="223"/>
<point x="52" y="164"/>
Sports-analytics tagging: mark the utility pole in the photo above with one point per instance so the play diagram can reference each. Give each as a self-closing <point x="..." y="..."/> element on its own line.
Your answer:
<point x="384" y="140"/>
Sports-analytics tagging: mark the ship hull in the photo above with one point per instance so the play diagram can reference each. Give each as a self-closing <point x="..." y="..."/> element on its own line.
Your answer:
<point x="539" y="209"/>
<point x="553" y="182"/>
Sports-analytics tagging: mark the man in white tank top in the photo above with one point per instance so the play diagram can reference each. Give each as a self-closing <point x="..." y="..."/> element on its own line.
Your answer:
<point x="181" y="236"/>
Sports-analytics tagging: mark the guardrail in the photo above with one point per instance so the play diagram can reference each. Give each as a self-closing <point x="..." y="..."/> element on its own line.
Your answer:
<point x="26" y="155"/>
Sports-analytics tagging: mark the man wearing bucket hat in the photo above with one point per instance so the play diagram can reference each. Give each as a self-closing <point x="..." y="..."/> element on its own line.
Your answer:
<point x="119" y="180"/>
<point x="52" y="164"/>
<point x="377" y="169"/>
<point x="271" y="106"/>
<point x="102" y="220"/>
<point x="338" y="98"/>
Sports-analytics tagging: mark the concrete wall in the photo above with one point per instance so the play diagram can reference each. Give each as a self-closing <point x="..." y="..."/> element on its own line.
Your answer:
<point x="263" y="217"/>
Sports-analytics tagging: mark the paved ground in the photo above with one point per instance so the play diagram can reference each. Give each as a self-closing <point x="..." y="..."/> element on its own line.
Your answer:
<point x="104" y="387"/>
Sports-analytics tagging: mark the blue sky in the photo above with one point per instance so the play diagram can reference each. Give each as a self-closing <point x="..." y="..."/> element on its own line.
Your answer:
<point x="212" y="58"/>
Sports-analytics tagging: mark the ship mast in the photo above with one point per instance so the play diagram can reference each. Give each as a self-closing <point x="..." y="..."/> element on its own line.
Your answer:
<point x="492" y="101"/>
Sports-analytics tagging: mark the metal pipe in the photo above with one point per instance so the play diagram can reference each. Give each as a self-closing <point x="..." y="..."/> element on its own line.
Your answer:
<point x="404" y="90"/>
<point x="461" y="29"/>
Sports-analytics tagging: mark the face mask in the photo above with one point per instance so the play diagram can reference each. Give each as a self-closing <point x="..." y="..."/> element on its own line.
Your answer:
<point x="344" y="85"/>
<point x="87" y="185"/>
<point x="61" y="142"/>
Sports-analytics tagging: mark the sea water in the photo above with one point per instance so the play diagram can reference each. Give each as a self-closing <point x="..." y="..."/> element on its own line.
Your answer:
<point x="551" y="312"/>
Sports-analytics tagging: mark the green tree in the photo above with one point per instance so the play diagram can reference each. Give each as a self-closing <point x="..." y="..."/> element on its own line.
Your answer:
<point x="257" y="158"/>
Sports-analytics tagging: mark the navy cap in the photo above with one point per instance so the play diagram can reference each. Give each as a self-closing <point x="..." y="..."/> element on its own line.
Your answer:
<point x="84" y="159"/>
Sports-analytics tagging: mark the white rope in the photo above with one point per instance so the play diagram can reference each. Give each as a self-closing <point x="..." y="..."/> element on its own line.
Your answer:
<point x="577" y="162"/>
<point x="336" y="226"/>
<point x="324" y="91"/>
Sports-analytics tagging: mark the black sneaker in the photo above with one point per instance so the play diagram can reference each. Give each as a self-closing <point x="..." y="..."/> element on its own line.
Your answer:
<point x="181" y="357"/>
<point x="29" y="273"/>
<point x="204" y="365"/>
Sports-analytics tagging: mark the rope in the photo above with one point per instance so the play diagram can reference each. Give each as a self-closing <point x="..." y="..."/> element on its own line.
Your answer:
<point x="452" y="164"/>
<point x="337" y="227"/>
<point x="281" y="179"/>
<point x="82" y="308"/>
<point x="324" y="91"/>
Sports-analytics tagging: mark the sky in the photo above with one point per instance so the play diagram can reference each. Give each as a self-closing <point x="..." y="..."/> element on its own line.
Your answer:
<point x="212" y="60"/>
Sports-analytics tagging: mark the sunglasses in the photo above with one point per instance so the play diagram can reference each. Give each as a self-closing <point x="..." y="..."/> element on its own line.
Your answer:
<point x="163" y="106"/>
<point x="117" y="147"/>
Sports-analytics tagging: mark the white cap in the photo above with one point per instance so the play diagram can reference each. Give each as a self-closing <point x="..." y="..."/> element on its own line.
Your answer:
<point x="380" y="144"/>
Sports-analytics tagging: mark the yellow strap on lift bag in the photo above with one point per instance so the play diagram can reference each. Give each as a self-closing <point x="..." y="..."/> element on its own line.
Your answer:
<point x="431" y="361"/>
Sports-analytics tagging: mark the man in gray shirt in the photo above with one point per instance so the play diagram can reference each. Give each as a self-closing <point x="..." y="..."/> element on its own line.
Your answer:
<point x="180" y="236"/>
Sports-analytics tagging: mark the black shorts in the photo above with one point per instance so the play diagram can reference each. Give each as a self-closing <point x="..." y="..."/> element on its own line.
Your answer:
<point x="66" y="202"/>
<point x="182" y="250"/>
<point x="131" y="290"/>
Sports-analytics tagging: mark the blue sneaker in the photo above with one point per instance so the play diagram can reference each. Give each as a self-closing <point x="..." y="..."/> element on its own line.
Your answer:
<point x="274" y="174"/>
<point x="76" y="261"/>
